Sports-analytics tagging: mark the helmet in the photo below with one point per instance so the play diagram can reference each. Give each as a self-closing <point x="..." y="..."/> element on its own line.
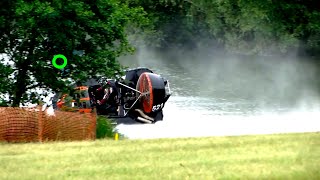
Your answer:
<point x="102" y="81"/>
<point x="106" y="82"/>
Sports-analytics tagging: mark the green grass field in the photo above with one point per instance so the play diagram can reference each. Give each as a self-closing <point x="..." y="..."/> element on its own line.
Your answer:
<point x="286" y="156"/>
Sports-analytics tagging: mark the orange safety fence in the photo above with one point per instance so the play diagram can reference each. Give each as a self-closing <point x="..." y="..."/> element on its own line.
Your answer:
<point x="34" y="125"/>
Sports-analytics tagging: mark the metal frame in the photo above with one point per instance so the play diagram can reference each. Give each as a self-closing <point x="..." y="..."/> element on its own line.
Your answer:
<point x="129" y="87"/>
<point x="122" y="113"/>
<point x="140" y="95"/>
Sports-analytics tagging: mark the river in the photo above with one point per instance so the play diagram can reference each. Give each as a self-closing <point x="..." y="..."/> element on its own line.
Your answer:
<point x="220" y="95"/>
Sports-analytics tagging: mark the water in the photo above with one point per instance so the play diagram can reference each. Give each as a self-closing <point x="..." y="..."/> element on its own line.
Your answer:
<point x="229" y="95"/>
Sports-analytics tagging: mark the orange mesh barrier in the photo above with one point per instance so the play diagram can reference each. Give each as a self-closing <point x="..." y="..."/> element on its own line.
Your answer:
<point x="31" y="125"/>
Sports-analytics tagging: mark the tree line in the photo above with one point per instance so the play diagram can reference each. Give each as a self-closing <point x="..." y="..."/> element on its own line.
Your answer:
<point x="92" y="34"/>
<point x="250" y="27"/>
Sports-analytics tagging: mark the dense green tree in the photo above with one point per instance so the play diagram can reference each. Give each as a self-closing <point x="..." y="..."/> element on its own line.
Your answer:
<point x="252" y="27"/>
<point x="90" y="33"/>
<point x="174" y="21"/>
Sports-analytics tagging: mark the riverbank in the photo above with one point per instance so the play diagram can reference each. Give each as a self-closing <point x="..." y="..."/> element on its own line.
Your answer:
<point x="281" y="156"/>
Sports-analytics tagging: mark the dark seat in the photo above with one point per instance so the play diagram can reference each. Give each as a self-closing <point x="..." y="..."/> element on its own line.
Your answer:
<point x="132" y="75"/>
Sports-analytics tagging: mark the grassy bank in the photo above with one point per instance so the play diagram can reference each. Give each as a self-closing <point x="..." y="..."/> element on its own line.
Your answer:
<point x="288" y="156"/>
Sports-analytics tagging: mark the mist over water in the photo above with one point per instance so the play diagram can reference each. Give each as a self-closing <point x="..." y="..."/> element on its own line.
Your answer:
<point x="214" y="89"/>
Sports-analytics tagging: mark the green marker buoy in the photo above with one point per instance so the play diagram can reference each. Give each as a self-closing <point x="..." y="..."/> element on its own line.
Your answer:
<point x="55" y="57"/>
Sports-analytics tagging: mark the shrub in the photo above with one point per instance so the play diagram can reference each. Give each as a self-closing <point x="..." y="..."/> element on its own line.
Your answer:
<point x="105" y="128"/>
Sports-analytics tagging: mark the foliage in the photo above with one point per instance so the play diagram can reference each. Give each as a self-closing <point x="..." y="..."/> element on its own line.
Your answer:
<point x="250" y="27"/>
<point x="3" y="104"/>
<point x="173" y="23"/>
<point x="105" y="129"/>
<point x="91" y="34"/>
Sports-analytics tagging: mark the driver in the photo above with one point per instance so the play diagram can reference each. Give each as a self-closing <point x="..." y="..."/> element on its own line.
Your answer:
<point x="108" y="90"/>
